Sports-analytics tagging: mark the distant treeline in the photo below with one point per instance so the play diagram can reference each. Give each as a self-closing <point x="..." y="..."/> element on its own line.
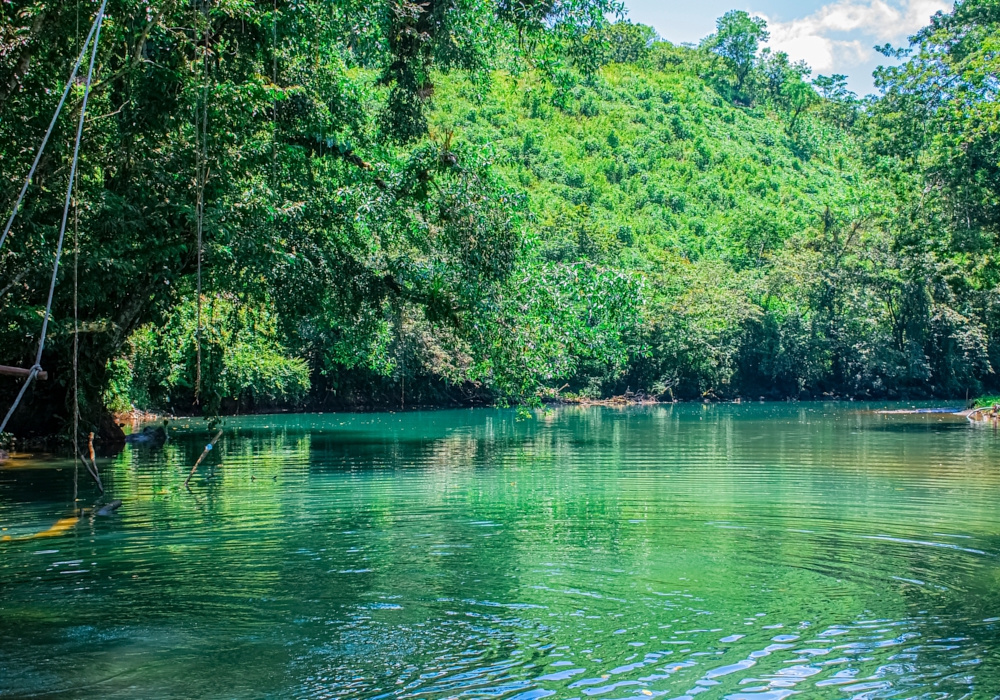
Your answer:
<point x="480" y="202"/>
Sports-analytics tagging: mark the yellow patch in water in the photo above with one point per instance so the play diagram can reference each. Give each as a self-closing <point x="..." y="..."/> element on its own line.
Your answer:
<point x="21" y="461"/>
<point x="61" y="526"/>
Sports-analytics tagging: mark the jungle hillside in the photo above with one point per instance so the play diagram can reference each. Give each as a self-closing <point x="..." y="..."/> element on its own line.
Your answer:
<point x="325" y="204"/>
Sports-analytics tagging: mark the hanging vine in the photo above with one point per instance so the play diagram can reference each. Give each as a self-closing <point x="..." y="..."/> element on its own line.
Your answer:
<point x="202" y="179"/>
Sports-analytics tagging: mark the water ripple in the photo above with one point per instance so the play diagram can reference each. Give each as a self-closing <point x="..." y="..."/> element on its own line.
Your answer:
<point x="743" y="552"/>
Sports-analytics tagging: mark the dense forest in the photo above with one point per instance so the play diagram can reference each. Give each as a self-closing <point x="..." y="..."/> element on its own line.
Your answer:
<point x="399" y="204"/>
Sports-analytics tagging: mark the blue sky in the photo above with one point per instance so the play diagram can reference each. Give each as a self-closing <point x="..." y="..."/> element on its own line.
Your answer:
<point x="832" y="36"/>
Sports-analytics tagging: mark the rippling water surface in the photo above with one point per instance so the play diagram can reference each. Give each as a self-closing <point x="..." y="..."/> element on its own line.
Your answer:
<point x="745" y="552"/>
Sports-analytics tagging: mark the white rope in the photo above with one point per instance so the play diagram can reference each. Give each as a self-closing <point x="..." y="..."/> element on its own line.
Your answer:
<point x="37" y="367"/>
<point x="52" y="125"/>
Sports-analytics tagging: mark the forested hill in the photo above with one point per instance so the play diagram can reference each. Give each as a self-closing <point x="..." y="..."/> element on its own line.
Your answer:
<point x="648" y="171"/>
<point x="401" y="210"/>
<point x="775" y="251"/>
<point x="646" y="163"/>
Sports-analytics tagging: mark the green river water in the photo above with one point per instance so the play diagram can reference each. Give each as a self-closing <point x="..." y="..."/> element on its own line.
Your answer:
<point x="749" y="552"/>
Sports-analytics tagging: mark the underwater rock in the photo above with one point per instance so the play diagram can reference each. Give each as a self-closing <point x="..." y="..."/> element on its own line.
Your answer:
<point x="148" y="436"/>
<point x="110" y="508"/>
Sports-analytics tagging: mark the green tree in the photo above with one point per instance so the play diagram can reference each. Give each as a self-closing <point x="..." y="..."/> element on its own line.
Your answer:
<point x="737" y="42"/>
<point x="324" y="191"/>
<point x="939" y="112"/>
<point x="784" y="84"/>
<point x="933" y="136"/>
<point x="840" y="105"/>
<point x="628" y="42"/>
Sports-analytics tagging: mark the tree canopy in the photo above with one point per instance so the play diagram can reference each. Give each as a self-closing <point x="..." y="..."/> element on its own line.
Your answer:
<point x="491" y="201"/>
<point x="737" y="41"/>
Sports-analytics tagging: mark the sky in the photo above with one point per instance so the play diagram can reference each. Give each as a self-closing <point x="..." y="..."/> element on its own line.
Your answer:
<point x="832" y="37"/>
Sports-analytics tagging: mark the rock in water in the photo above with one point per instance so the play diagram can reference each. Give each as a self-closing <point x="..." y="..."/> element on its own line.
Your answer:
<point x="110" y="508"/>
<point x="148" y="436"/>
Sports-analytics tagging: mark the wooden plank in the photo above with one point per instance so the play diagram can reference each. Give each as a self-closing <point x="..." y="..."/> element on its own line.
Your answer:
<point x="20" y="372"/>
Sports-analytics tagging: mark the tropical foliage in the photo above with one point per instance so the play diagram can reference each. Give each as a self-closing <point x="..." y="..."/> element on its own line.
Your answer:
<point x="476" y="201"/>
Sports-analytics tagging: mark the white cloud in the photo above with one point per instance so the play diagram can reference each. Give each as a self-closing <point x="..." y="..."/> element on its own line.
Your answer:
<point x="819" y="39"/>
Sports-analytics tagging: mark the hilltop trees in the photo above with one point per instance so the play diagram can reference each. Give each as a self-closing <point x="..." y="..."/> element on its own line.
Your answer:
<point x="737" y="42"/>
<point x="839" y="105"/>
<point x="751" y="74"/>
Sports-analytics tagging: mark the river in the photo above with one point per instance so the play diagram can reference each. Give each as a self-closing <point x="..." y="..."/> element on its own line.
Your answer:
<point x="749" y="552"/>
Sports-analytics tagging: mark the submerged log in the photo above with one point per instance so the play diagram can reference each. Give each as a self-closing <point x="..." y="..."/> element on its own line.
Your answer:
<point x="985" y="414"/>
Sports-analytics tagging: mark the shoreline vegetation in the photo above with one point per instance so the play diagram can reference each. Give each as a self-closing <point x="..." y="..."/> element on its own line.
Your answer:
<point x="137" y="419"/>
<point x="318" y="207"/>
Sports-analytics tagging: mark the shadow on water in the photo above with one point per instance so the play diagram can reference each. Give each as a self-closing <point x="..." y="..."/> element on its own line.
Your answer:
<point x="949" y="425"/>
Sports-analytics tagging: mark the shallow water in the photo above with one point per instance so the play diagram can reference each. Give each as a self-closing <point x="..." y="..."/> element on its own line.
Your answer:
<point x="744" y="552"/>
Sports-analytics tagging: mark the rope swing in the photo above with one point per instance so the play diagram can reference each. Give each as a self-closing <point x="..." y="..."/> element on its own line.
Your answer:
<point x="37" y="367"/>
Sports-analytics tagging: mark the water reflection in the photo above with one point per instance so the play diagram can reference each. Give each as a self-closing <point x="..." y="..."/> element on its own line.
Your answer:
<point x="722" y="552"/>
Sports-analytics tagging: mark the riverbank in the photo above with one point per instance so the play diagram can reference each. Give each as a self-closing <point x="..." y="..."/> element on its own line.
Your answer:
<point x="126" y="422"/>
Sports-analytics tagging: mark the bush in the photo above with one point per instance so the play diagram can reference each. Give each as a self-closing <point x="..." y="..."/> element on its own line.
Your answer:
<point x="242" y="360"/>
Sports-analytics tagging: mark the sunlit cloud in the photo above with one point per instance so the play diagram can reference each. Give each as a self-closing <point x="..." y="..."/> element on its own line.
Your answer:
<point x="840" y="36"/>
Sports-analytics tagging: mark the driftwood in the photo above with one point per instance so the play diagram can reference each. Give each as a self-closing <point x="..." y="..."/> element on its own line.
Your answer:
<point x="92" y="467"/>
<point x="985" y="414"/>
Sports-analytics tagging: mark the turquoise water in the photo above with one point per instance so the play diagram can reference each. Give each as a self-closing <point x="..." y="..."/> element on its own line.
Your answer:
<point x="745" y="552"/>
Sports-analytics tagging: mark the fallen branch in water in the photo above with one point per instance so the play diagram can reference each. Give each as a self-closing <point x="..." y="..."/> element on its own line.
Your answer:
<point x="208" y="448"/>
